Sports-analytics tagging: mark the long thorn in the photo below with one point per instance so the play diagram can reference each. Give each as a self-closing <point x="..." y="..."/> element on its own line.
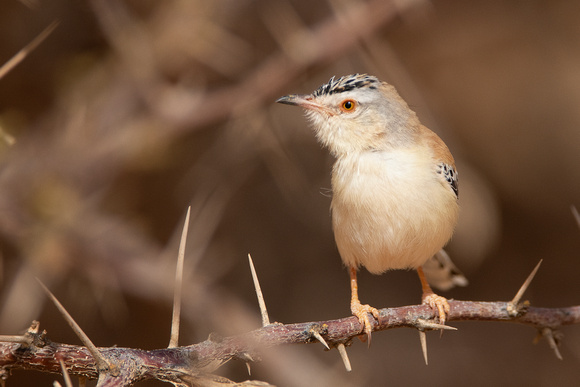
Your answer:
<point x="67" y="381"/>
<point x="423" y="338"/>
<point x="344" y="356"/>
<point x="16" y="339"/>
<point x="422" y="324"/>
<point x="101" y="362"/>
<point x="261" y="302"/>
<point x="20" y="55"/>
<point x="512" y="306"/>
<point x="175" y="320"/>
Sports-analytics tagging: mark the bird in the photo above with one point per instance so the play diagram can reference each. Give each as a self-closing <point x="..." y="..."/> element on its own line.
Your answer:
<point x="394" y="183"/>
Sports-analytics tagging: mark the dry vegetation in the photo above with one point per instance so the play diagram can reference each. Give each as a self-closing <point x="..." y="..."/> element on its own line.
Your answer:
<point x="132" y="110"/>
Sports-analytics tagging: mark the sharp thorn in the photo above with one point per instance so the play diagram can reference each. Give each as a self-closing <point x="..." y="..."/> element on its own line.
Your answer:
<point x="176" y="318"/>
<point x="319" y="337"/>
<point x="100" y="361"/>
<point x="247" y="359"/>
<point x="422" y="324"/>
<point x="261" y="302"/>
<point x="344" y="356"/>
<point x="245" y="356"/>
<point x="512" y="306"/>
<point x="20" y="55"/>
<point x="67" y="380"/>
<point x="549" y="335"/>
<point x="423" y="338"/>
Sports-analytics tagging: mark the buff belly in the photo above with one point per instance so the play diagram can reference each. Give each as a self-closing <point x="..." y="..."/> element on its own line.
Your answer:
<point x="390" y="211"/>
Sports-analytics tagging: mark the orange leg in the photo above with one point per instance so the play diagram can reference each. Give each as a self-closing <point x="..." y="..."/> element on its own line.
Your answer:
<point x="359" y="310"/>
<point x="436" y="302"/>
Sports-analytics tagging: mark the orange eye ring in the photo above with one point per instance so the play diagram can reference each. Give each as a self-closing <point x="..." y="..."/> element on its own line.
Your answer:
<point x="348" y="105"/>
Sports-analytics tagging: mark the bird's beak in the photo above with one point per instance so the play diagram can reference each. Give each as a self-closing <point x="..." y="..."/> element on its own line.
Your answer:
<point x="303" y="100"/>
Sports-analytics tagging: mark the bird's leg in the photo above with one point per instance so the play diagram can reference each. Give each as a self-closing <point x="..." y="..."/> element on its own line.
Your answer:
<point x="359" y="310"/>
<point x="436" y="302"/>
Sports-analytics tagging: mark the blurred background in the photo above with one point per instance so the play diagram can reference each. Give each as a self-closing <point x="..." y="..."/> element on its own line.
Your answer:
<point x="130" y="111"/>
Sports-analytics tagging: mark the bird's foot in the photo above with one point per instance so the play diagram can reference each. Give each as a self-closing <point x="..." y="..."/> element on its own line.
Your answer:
<point x="363" y="312"/>
<point x="439" y="304"/>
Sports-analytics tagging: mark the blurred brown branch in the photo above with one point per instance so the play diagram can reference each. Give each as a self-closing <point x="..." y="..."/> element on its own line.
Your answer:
<point x="191" y="365"/>
<point x="302" y="48"/>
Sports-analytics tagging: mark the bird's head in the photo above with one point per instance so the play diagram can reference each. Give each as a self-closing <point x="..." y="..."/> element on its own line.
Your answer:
<point x="357" y="113"/>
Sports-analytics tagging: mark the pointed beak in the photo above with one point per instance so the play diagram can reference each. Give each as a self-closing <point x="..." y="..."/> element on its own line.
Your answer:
<point x="292" y="99"/>
<point x="303" y="100"/>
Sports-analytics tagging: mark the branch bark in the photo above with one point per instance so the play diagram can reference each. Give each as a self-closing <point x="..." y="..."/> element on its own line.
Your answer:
<point x="192" y="365"/>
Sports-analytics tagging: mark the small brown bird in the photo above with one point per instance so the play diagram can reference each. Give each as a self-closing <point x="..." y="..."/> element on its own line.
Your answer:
<point x="394" y="183"/>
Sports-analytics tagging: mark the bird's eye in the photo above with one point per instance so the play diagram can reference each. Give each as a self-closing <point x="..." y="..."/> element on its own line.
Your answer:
<point x="348" y="105"/>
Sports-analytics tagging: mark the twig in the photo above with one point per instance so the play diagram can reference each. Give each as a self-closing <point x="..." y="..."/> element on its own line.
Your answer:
<point x="172" y="363"/>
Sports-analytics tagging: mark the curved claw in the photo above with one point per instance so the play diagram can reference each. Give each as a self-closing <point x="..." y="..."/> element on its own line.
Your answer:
<point x="363" y="312"/>
<point x="439" y="304"/>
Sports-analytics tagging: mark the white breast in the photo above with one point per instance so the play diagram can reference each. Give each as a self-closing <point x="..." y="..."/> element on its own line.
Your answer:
<point x="390" y="210"/>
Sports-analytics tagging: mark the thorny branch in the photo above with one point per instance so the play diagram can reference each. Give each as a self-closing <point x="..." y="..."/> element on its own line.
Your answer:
<point x="198" y="360"/>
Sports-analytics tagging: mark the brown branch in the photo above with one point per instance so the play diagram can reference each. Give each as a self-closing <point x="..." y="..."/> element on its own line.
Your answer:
<point x="188" y="363"/>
